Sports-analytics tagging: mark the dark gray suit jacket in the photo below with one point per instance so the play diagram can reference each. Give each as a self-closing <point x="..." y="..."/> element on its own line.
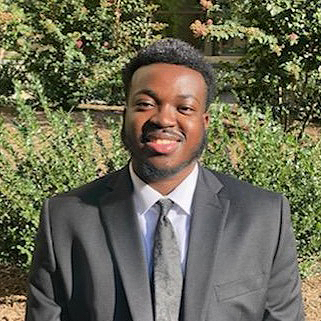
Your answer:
<point x="89" y="261"/>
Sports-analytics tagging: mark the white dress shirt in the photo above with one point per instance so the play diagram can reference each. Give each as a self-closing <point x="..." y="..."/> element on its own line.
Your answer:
<point x="145" y="198"/>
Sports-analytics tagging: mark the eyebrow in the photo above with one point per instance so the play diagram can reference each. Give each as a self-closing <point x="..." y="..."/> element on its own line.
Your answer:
<point x="189" y="96"/>
<point x="151" y="93"/>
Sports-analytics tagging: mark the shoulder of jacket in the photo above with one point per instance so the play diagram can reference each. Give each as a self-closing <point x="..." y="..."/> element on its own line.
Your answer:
<point x="238" y="188"/>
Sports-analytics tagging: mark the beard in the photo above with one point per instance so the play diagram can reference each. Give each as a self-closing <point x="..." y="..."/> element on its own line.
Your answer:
<point x="148" y="171"/>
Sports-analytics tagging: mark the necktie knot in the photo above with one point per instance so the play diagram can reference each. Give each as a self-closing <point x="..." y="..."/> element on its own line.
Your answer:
<point x="165" y="205"/>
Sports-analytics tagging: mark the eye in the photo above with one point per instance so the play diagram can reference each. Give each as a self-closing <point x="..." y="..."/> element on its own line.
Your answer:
<point x="144" y="105"/>
<point x="186" y="110"/>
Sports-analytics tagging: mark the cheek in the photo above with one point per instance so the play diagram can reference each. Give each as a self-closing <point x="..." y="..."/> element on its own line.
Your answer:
<point x="196" y="128"/>
<point x="133" y="125"/>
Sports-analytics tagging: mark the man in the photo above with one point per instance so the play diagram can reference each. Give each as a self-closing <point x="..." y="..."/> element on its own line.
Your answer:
<point x="102" y="252"/>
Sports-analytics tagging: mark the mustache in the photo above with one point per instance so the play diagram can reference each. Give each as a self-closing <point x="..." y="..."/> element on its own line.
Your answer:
<point x="151" y="130"/>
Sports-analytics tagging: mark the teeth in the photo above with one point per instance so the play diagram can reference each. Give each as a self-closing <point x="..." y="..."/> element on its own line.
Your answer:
<point x="163" y="141"/>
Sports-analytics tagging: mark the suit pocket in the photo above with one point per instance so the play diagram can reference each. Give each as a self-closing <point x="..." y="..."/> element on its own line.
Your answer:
<point x="239" y="287"/>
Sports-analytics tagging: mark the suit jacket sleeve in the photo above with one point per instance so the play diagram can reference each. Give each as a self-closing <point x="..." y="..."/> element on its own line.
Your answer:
<point x="284" y="302"/>
<point x="41" y="304"/>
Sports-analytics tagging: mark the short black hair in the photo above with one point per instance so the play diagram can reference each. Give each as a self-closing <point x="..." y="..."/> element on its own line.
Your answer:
<point x="170" y="51"/>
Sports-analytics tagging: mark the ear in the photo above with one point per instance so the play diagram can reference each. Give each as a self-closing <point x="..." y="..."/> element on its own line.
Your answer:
<point x="206" y="119"/>
<point x="124" y="113"/>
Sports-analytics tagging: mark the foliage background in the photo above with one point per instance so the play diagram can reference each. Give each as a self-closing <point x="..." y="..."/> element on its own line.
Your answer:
<point x="74" y="48"/>
<point x="281" y="68"/>
<point x="46" y="160"/>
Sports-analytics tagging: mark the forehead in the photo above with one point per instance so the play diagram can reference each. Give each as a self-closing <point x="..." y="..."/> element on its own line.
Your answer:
<point x="168" y="76"/>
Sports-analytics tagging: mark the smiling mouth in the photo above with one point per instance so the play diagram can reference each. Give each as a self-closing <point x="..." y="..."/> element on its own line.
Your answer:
<point x="162" y="142"/>
<point x="162" y="146"/>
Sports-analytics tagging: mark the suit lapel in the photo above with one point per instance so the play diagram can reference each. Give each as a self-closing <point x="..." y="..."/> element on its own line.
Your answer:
<point x="122" y="230"/>
<point x="208" y="219"/>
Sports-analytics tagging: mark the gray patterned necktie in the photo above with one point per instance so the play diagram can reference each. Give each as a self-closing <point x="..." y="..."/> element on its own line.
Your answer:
<point x="168" y="278"/>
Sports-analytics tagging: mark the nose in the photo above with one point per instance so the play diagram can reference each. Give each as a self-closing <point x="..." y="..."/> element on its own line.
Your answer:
<point x="164" y="116"/>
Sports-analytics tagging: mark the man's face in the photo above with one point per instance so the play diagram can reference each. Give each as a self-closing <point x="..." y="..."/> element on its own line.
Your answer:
<point x="165" y="120"/>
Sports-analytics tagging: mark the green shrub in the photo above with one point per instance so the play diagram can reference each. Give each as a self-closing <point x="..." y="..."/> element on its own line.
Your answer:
<point x="76" y="48"/>
<point x="38" y="161"/>
<point x="252" y="147"/>
<point x="281" y="67"/>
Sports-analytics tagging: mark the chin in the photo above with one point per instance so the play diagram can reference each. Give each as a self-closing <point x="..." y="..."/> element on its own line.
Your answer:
<point x="150" y="172"/>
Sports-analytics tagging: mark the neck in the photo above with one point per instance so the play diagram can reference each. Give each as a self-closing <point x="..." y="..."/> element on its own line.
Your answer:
<point x="167" y="184"/>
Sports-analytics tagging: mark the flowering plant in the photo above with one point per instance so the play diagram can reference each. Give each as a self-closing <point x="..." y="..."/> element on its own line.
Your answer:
<point x="75" y="48"/>
<point x="281" y="65"/>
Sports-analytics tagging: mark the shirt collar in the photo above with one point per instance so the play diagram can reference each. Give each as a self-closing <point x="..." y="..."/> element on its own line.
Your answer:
<point x="145" y="196"/>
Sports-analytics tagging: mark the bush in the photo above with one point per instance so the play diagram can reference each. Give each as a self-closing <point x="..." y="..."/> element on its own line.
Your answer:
<point x="252" y="147"/>
<point x="37" y="162"/>
<point x="281" y="67"/>
<point x="76" y="48"/>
